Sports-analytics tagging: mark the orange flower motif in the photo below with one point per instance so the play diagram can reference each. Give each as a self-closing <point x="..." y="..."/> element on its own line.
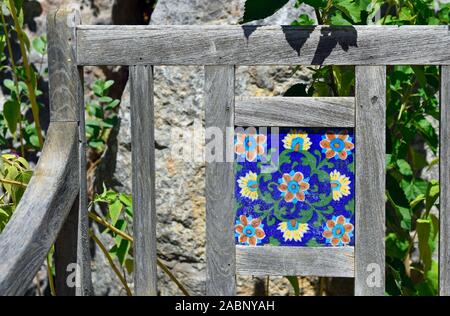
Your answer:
<point x="293" y="186"/>
<point x="337" y="145"/>
<point x="249" y="231"/>
<point x="250" y="145"/>
<point x="338" y="231"/>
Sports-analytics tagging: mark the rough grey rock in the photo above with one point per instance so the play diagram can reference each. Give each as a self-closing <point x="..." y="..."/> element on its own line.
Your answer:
<point x="180" y="200"/>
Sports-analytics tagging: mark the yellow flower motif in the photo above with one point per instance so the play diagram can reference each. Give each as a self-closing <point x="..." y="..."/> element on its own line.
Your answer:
<point x="249" y="185"/>
<point x="340" y="185"/>
<point x="293" y="230"/>
<point x="297" y="140"/>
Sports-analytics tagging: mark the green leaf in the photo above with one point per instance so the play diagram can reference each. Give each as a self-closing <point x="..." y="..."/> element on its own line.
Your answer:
<point x="4" y="213"/>
<point x="432" y="195"/>
<point x="403" y="212"/>
<point x="420" y="74"/>
<point x="428" y="132"/>
<point x="344" y="77"/>
<point x="105" y="99"/>
<point x="413" y="188"/>
<point x="8" y="83"/>
<point x="432" y="278"/>
<point x="96" y="144"/>
<point x="419" y="160"/>
<point x="126" y="199"/>
<point x="39" y="44"/>
<point x="108" y="84"/>
<point x="338" y="19"/>
<point x="98" y="90"/>
<point x="121" y="225"/>
<point x="113" y="104"/>
<point x="293" y="280"/>
<point x="404" y="167"/>
<point x="405" y="14"/>
<point x="114" y="211"/>
<point x="417" y="200"/>
<point x="93" y="122"/>
<point x="34" y="140"/>
<point x="122" y="251"/>
<point x="423" y="227"/>
<point x="122" y="245"/>
<point x="388" y="161"/>
<point x="350" y="8"/>
<point x="303" y="19"/>
<point x="260" y="9"/>
<point x="11" y="113"/>
<point x="395" y="247"/>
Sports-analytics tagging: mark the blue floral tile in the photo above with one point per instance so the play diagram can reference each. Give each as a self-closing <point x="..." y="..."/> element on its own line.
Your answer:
<point x="294" y="187"/>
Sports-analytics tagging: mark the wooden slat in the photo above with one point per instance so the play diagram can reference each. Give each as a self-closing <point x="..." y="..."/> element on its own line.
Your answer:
<point x="292" y="111"/>
<point x="220" y="248"/>
<point x="370" y="180"/>
<point x="263" y="45"/>
<point x="41" y="213"/>
<point x="67" y="104"/>
<point x="66" y="253"/>
<point x="300" y="261"/>
<point x="143" y="158"/>
<point x="64" y="83"/>
<point x="83" y="246"/>
<point x="444" y="174"/>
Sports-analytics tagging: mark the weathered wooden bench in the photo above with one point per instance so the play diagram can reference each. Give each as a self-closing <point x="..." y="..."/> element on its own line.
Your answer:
<point x="54" y="207"/>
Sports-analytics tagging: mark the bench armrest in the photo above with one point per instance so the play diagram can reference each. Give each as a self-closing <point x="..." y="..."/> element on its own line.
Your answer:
<point x="35" y="224"/>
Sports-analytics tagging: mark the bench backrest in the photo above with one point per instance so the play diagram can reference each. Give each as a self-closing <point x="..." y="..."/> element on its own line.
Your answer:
<point x="220" y="49"/>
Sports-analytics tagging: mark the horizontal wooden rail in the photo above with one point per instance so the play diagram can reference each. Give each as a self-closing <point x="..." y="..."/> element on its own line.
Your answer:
<point x="263" y="45"/>
<point x="293" y="111"/>
<point x="34" y="226"/>
<point x="301" y="261"/>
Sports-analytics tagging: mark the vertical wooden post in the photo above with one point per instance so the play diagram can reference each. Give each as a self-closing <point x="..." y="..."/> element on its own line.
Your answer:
<point x="220" y="245"/>
<point x="66" y="253"/>
<point x="370" y="180"/>
<point x="67" y="105"/>
<point x="143" y="158"/>
<point x="444" y="176"/>
<point x="83" y="248"/>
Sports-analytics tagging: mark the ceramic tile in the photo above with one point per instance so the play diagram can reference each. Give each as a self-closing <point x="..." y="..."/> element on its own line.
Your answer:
<point x="303" y="198"/>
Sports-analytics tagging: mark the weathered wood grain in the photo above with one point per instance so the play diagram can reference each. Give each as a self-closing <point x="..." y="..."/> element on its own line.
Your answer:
<point x="295" y="111"/>
<point x="83" y="244"/>
<point x="220" y="248"/>
<point x="66" y="253"/>
<point x="34" y="226"/>
<point x="444" y="175"/>
<point x="67" y="104"/>
<point x="295" y="261"/>
<point x="263" y="45"/>
<point x="370" y="180"/>
<point x="64" y="76"/>
<point x="143" y="158"/>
